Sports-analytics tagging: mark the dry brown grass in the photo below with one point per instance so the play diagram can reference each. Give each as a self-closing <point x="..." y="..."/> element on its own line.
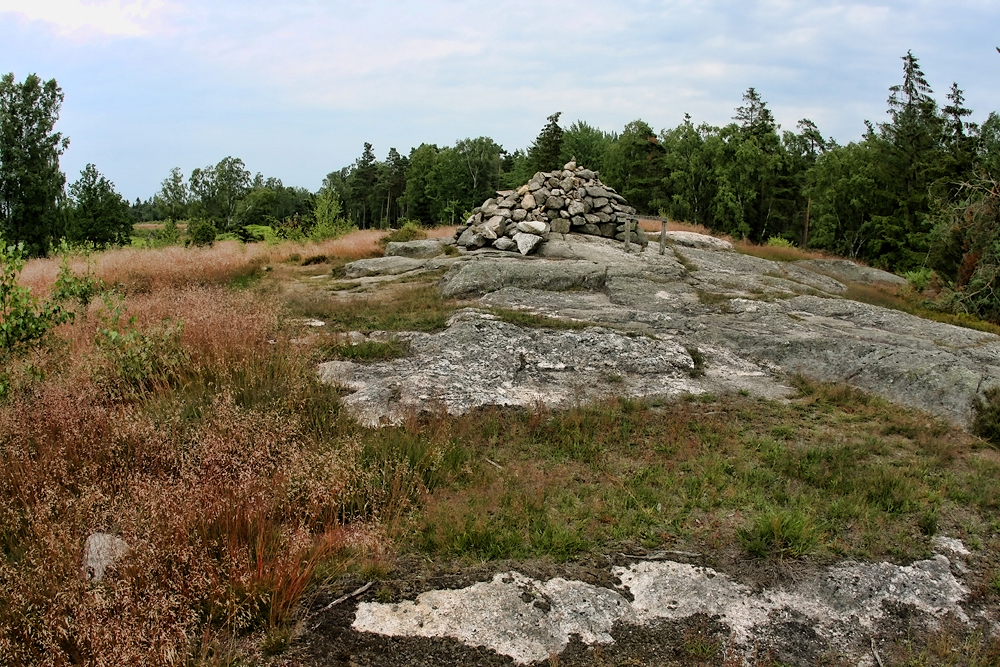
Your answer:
<point x="674" y="226"/>
<point x="138" y="270"/>
<point x="235" y="486"/>
<point x="778" y="253"/>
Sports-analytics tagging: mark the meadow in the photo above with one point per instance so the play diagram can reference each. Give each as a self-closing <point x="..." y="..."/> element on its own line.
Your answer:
<point x="180" y="411"/>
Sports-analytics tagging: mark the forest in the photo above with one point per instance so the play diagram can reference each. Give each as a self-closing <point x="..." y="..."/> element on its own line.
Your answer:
<point x="917" y="194"/>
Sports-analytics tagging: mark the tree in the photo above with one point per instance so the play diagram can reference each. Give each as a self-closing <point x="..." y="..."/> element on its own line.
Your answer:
<point x="633" y="166"/>
<point x="100" y="215"/>
<point x="30" y="181"/>
<point x="174" y="196"/>
<point x="545" y="151"/>
<point x="754" y="116"/>
<point x="587" y="144"/>
<point x="219" y="189"/>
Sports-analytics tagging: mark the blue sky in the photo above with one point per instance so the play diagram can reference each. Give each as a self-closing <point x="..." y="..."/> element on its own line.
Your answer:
<point x="296" y="87"/>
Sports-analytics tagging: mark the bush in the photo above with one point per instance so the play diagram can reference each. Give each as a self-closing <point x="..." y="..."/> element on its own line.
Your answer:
<point x="986" y="423"/>
<point x="23" y="320"/>
<point x="919" y="279"/>
<point x="410" y="231"/>
<point x="782" y="532"/>
<point x="779" y="242"/>
<point x="202" y="233"/>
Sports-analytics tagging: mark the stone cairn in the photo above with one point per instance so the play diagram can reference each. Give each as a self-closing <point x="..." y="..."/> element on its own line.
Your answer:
<point x="573" y="200"/>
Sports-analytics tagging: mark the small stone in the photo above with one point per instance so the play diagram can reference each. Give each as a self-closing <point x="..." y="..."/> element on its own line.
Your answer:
<point x="523" y="190"/>
<point x="560" y="226"/>
<point x="576" y="208"/>
<point x="600" y="202"/>
<point x="591" y="229"/>
<point x="596" y="218"/>
<point x="570" y="166"/>
<point x="608" y="230"/>
<point x="578" y="220"/>
<point x="597" y="192"/>
<point x="504" y="243"/>
<point x="532" y="227"/>
<point x="518" y="215"/>
<point x="526" y="243"/>
<point x="528" y="202"/>
<point x="585" y="174"/>
<point x="554" y="202"/>
<point x="494" y="224"/>
<point x="100" y="552"/>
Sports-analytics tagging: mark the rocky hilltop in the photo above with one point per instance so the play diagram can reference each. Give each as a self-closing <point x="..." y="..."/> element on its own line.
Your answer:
<point x="698" y="318"/>
<point x="573" y="200"/>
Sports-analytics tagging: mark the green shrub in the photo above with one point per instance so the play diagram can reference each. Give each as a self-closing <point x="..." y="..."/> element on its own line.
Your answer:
<point x="986" y="423"/>
<point x="919" y="279"/>
<point x="23" y="320"/>
<point x="202" y="233"/>
<point x="410" y="231"/>
<point x="779" y="242"/>
<point x="138" y="361"/>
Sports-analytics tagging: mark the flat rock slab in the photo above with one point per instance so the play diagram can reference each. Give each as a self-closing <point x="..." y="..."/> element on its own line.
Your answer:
<point x="694" y="240"/>
<point x="531" y="621"/>
<point x="421" y="249"/>
<point x="479" y="360"/>
<point x="844" y="269"/>
<point x="381" y="266"/>
<point x="754" y="321"/>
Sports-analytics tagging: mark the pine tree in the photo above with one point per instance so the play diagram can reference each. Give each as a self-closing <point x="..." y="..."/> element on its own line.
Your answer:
<point x="544" y="153"/>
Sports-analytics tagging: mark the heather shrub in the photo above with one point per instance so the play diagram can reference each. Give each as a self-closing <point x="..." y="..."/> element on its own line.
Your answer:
<point x="409" y="231"/>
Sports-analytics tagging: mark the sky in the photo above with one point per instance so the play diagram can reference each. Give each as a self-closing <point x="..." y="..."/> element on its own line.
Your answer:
<point x="296" y="87"/>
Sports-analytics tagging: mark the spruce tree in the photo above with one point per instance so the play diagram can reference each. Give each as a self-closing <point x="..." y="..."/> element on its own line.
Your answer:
<point x="544" y="153"/>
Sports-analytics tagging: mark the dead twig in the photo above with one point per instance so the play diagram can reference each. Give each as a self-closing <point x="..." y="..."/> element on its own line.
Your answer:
<point x="344" y="598"/>
<point x="663" y="555"/>
<point x="494" y="464"/>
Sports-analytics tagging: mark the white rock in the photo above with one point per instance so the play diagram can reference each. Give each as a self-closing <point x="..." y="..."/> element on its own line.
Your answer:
<point x="526" y="242"/>
<point x="532" y="227"/>
<point x="100" y="553"/>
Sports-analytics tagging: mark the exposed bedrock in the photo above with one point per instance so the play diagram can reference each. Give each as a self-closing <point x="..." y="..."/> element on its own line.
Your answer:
<point x="698" y="318"/>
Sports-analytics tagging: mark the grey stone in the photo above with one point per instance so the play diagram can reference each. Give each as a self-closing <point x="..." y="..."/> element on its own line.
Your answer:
<point x="526" y="242"/>
<point x="519" y="215"/>
<point x="576" y="208"/>
<point x="384" y="266"/>
<point x="693" y="240"/>
<point x="560" y="226"/>
<point x="532" y="227"/>
<point x="844" y="269"/>
<point x="578" y="221"/>
<point x="554" y="202"/>
<point x="585" y="174"/>
<point x="484" y="276"/>
<point x="422" y="249"/>
<point x="597" y="192"/>
<point x="528" y="202"/>
<point x="591" y="229"/>
<point x="601" y="202"/>
<point x="608" y="230"/>
<point x="504" y="243"/>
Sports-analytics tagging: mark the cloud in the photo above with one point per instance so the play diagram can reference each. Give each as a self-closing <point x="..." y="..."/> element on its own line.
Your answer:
<point x="84" y="19"/>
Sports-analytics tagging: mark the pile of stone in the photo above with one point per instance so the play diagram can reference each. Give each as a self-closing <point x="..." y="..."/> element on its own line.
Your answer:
<point x="573" y="200"/>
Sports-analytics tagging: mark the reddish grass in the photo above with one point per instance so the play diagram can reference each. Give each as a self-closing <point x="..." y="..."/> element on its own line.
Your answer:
<point x="227" y="487"/>
<point x="138" y="270"/>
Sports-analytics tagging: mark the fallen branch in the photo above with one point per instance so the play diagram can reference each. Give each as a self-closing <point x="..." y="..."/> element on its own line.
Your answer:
<point x="663" y="555"/>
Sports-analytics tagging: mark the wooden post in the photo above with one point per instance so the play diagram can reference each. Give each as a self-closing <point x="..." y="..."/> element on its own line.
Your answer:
<point x="628" y="235"/>
<point x="663" y="236"/>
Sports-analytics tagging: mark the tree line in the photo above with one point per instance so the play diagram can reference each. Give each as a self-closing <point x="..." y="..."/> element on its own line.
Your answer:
<point x="906" y="196"/>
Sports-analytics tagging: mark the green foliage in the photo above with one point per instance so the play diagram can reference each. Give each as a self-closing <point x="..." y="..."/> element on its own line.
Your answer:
<point x="138" y="361"/>
<point x="170" y="234"/>
<point x="545" y="153"/>
<point x="780" y="532"/>
<point x="202" y="232"/>
<point x="410" y="231"/>
<point x="779" y="242"/>
<point x="919" y="279"/>
<point x="99" y="216"/>
<point x="329" y="222"/>
<point x="986" y="423"/>
<point x="70" y="287"/>
<point x="30" y="181"/>
<point x="368" y="350"/>
<point x="24" y="320"/>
